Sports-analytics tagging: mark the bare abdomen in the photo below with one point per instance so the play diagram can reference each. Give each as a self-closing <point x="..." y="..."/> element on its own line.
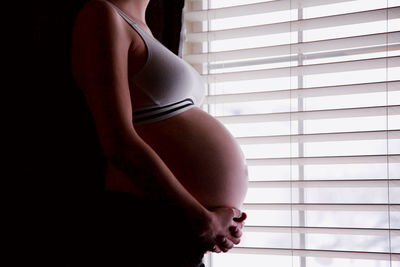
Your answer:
<point x="202" y="154"/>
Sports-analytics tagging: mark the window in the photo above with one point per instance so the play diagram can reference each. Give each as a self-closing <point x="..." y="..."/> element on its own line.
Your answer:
<point x="311" y="91"/>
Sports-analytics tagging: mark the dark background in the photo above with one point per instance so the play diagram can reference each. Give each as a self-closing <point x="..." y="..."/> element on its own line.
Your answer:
<point x="57" y="165"/>
<point x="68" y="141"/>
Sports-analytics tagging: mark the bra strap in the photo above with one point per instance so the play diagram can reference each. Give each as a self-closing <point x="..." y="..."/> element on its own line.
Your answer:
<point x="125" y="16"/>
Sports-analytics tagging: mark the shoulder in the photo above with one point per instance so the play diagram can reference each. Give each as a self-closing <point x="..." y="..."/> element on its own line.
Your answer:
<point x="101" y="40"/>
<point x="97" y="9"/>
<point x="99" y="16"/>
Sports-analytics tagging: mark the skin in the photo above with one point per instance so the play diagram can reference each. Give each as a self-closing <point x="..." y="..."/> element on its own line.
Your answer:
<point x="139" y="161"/>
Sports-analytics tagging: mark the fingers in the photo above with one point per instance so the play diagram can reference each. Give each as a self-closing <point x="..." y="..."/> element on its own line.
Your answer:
<point x="224" y="243"/>
<point x="236" y="213"/>
<point x="234" y="240"/>
<point x="228" y="228"/>
<point x="216" y="249"/>
<point x="235" y="231"/>
<point x="236" y="228"/>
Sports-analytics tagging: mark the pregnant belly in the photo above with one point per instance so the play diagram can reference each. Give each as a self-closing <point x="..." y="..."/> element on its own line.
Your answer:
<point x="202" y="154"/>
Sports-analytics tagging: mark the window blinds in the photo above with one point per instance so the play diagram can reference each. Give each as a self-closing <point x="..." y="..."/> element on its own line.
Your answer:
<point x="311" y="91"/>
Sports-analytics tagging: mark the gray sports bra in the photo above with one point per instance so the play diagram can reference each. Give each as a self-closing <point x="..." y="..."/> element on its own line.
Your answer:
<point x="170" y="84"/>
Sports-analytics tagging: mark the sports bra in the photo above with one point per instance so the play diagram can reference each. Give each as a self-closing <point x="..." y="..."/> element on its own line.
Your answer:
<point x="170" y="84"/>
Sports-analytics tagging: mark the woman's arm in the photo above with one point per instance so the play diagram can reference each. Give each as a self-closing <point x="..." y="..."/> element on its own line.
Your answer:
<point x="100" y="51"/>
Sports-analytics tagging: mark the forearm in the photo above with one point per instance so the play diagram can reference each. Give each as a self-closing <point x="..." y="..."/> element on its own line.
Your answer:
<point x="155" y="181"/>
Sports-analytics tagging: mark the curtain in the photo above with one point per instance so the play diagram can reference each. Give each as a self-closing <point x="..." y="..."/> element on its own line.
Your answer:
<point x="165" y="21"/>
<point x="311" y="91"/>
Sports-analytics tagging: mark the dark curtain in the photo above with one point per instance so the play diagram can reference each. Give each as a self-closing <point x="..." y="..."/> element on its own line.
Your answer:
<point x="58" y="163"/>
<point x="165" y="21"/>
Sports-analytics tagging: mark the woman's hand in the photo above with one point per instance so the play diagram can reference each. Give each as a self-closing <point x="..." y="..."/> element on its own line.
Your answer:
<point x="223" y="244"/>
<point x="224" y="230"/>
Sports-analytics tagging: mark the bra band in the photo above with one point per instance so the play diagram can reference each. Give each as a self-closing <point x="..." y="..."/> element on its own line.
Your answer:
<point x="154" y="113"/>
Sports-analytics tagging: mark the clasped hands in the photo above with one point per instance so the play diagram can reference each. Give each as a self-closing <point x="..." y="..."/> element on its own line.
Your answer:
<point x="226" y="228"/>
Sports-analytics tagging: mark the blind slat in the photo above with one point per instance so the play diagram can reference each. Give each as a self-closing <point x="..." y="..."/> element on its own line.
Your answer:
<point x="313" y="115"/>
<point x="322" y="137"/>
<point x="326" y="160"/>
<point x="318" y="253"/>
<point x="304" y="24"/>
<point x="372" y="40"/>
<point x="321" y="230"/>
<point x="312" y="69"/>
<point x="358" y="183"/>
<point x="321" y="206"/>
<point x="252" y="9"/>
<point x="362" y="88"/>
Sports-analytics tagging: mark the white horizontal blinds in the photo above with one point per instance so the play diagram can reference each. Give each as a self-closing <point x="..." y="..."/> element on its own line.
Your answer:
<point x="306" y="24"/>
<point x="369" y="41"/>
<point x="311" y="91"/>
<point x="251" y="8"/>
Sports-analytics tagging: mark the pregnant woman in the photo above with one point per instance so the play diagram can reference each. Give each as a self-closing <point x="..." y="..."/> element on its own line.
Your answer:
<point x="176" y="177"/>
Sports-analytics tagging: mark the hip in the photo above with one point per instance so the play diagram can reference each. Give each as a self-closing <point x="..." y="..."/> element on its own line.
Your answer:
<point x="126" y="230"/>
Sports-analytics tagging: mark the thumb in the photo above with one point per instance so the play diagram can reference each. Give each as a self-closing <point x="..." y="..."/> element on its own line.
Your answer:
<point x="236" y="213"/>
<point x="240" y="218"/>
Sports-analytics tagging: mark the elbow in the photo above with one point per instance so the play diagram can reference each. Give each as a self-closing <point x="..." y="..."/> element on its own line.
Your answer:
<point x="121" y="154"/>
<point x="120" y="160"/>
<point x="112" y="149"/>
<point x="115" y="155"/>
<point x="120" y="146"/>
